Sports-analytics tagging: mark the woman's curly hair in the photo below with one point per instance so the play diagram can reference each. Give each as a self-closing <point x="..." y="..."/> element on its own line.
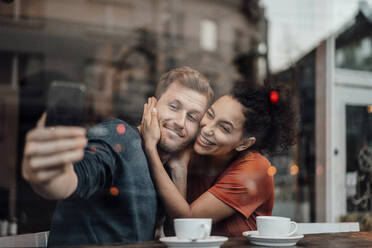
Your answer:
<point x="272" y="123"/>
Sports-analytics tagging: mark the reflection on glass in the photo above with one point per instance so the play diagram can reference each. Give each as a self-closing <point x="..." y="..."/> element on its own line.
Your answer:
<point x="359" y="158"/>
<point x="357" y="55"/>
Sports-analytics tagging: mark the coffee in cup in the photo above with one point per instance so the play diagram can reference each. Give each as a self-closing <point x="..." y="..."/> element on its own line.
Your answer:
<point x="193" y="228"/>
<point x="275" y="226"/>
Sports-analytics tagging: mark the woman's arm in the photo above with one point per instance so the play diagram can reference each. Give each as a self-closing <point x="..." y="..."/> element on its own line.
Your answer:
<point x="179" y="178"/>
<point x="207" y="205"/>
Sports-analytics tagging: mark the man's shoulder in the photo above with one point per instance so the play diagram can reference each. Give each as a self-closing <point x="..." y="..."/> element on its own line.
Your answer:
<point x="112" y="127"/>
<point x="118" y="124"/>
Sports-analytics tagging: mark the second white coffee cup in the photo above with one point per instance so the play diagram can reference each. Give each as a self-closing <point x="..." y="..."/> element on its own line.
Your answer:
<point x="193" y="228"/>
<point x="275" y="226"/>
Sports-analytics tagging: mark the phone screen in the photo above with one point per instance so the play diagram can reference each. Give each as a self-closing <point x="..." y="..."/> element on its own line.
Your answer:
<point x="65" y="104"/>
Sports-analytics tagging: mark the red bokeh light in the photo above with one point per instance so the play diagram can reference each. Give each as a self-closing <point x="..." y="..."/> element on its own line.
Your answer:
<point x="274" y="96"/>
<point x="120" y="129"/>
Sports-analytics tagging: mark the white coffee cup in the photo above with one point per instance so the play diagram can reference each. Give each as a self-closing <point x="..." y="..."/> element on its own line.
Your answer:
<point x="193" y="228"/>
<point x="275" y="226"/>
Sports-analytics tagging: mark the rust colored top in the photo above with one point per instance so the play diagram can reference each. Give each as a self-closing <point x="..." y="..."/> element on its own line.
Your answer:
<point x="245" y="185"/>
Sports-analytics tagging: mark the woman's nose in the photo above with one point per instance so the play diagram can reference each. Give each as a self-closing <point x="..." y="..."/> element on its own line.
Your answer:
<point x="207" y="130"/>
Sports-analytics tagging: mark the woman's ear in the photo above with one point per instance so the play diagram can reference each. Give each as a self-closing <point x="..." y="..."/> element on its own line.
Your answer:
<point x="246" y="143"/>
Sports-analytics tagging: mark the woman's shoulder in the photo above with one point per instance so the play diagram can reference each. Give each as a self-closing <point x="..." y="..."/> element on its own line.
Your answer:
<point x="250" y="168"/>
<point x="252" y="165"/>
<point x="251" y="161"/>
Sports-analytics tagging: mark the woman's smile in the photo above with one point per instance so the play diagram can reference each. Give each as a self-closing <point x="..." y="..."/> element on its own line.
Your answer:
<point x="204" y="142"/>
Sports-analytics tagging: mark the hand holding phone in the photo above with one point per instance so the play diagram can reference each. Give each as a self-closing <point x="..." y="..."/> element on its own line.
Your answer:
<point x="49" y="153"/>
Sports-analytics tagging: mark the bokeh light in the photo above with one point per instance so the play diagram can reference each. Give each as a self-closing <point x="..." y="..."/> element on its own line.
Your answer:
<point x="271" y="171"/>
<point x="114" y="191"/>
<point x="118" y="148"/>
<point x="274" y="96"/>
<point x="120" y="129"/>
<point x="252" y="187"/>
<point x="93" y="149"/>
<point x="294" y="170"/>
<point x="369" y="109"/>
<point x="319" y="170"/>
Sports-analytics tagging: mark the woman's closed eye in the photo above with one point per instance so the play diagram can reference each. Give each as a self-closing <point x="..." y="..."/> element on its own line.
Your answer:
<point x="192" y="117"/>
<point x="225" y="128"/>
<point x="209" y="114"/>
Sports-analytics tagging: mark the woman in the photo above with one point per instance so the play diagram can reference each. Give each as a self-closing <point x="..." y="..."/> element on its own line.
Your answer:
<point x="229" y="179"/>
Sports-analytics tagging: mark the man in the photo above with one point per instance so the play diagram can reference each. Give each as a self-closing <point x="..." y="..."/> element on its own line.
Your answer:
<point x="105" y="190"/>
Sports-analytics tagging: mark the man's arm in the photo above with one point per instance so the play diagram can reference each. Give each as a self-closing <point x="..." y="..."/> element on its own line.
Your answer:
<point x="48" y="160"/>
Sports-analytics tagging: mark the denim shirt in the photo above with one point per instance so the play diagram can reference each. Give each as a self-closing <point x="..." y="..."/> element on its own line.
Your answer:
<point x="115" y="200"/>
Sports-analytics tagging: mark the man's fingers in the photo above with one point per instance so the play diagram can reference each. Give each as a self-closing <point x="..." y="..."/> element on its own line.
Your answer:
<point x="47" y="175"/>
<point x="56" y="146"/>
<point x="58" y="160"/>
<point x="42" y="134"/>
<point x="41" y="121"/>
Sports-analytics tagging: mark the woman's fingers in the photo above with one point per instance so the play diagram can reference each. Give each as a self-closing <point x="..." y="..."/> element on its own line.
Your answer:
<point x="148" y="112"/>
<point x="149" y="116"/>
<point x="144" y="113"/>
<point x="154" y="117"/>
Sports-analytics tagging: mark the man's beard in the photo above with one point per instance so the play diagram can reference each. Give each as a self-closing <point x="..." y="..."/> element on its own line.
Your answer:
<point x="169" y="149"/>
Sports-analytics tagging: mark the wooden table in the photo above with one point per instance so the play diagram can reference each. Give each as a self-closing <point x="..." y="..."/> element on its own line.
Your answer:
<point x="324" y="240"/>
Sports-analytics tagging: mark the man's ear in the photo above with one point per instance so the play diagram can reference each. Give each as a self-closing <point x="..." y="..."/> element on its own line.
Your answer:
<point x="245" y="144"/>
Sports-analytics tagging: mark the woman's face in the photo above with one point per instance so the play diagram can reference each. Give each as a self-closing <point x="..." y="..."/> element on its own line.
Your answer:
<point x="221" y="128"/>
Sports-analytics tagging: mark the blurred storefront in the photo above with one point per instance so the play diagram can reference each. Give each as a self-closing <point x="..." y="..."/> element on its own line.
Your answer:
<point x="333" y="85"/>
<point x="117" y="49"/>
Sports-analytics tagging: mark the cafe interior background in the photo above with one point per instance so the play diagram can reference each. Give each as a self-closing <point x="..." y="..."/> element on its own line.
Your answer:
<point x="321" y="50"/>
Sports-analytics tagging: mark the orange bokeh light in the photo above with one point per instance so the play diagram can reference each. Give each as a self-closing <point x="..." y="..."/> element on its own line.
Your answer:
<point x="271" y="171"/>
<point x="114" y="191"/>
<point x="294" y="170"/>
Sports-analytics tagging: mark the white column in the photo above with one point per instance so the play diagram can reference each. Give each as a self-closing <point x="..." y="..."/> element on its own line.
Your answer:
<point x="324" y="91"/>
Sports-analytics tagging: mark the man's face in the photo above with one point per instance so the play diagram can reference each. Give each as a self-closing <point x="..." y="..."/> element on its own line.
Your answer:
<point x="180" y="110"/>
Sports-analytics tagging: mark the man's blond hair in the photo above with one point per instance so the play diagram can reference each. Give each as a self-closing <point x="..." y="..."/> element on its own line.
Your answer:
<point x="187" y="77"/>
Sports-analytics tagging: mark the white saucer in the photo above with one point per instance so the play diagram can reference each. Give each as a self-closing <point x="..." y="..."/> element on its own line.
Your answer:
<point x="256" y="239"/>
<point x="211" y="242"/>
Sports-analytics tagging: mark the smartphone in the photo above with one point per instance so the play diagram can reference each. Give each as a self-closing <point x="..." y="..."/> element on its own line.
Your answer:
<point x="65" y="104"/>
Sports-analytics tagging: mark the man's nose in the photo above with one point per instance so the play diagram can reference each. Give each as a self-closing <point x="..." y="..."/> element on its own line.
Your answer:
<point x="180" y="120"/>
